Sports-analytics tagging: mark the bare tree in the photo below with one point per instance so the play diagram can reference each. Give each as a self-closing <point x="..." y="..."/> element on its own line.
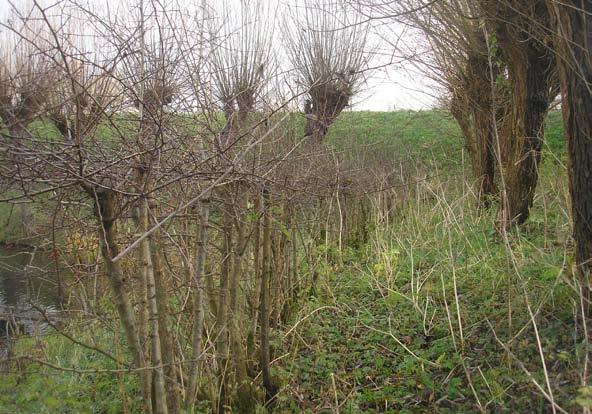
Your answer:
<point x="25" y="75"/>
<point x="532" y="80"/>
<point x="460" y="61"/>
<point x="327" y="44"/>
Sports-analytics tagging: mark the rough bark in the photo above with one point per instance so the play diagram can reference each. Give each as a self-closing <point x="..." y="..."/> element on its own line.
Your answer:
<point x="322" y="110"/>
<point x="532" y="78"/>
<point x="524" y="136"/>
<point x="479" y="73"/>
<point x="472" y="107"/>
<point x="573" y="29"/>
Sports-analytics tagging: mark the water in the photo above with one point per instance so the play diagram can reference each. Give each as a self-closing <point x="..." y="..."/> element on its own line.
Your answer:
<point x="28" y="283"/>
<point x="29" y="276"/>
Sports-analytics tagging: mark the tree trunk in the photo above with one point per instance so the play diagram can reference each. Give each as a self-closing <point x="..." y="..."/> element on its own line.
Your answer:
<point x="245" y="401"/>
<point x="293" y="282"/>
<point x="471" y="106"/>
<point x="166" y="334"/>
<point x="317" y="125"/>
<point x="531" y="75"/>
<point x="264" y="356"/>
<point x="257" y="243"/>
<point x="141" y="289"/>
<point x="160" y="405"/>
<point x="524" y="136"/>
<point x="222" y="315"/>
<point x="105" y="212"/>
<point x="573" y="28"/>
<point x="198" y="300"/>
<point x="479" y="73"/>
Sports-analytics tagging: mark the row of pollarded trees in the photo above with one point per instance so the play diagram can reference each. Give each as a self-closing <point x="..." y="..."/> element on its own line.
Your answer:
<point x="167" y="147"/>
<point x="503" y="63"/>
<point x="497" y="67"/>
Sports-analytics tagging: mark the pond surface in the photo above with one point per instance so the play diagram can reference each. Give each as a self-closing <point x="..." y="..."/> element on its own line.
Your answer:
<point x="28" y="276"/>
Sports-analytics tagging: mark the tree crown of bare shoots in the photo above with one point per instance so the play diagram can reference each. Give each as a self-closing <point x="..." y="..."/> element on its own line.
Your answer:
<point x="327" y="45"/>
<point x="241" y="55"/>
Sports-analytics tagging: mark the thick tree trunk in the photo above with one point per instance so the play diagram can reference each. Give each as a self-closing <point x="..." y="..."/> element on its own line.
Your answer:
<point x="18" y="132"/>
<point x="461" y="111"/>
<point x="315" y="128"/>
<point x="531" y="75"/>
<point x="472" y="107"/>
<point x="573" y="28"/>
<point x="524" y="136"/>
<point x="319" y="119"/>
<point x="479" y="73"/>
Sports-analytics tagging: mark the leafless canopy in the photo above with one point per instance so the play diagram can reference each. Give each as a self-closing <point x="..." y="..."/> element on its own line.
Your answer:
<point x="241" y="55"/>
<point x="327" y="45"/>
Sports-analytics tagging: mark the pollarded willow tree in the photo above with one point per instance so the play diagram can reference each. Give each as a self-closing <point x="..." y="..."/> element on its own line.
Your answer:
<point x="135" y="142"/>
<point x="105" y="78"/>
<point x="90" y="94"/>
<point x="25" y="78"/>
<point x="327" y="44"/>
<point x="503" y="82"/>
<point x="459" y="59"/>
<point x="25" y="81"/>
<point x="241" y="59"/>
<point x="240" y="64"/>
<point x="517" y="29"/>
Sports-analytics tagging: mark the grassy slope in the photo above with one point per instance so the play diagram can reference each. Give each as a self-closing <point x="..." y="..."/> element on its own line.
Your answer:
<point x="384" y="335"/>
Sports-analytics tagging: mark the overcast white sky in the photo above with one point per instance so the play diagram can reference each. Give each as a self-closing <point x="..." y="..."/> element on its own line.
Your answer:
<point x="395" y="89"/>
<point x="388" y="88"/>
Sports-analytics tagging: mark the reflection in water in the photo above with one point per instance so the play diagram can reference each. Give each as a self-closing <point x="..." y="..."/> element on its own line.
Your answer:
<point x="28" y="276"/>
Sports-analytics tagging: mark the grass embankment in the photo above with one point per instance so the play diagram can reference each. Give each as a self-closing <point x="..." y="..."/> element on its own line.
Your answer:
<point x="408" y="322"/>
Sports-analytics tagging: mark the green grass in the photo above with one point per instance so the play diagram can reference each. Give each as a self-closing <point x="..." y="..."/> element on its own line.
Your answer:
<point x="91" y="384"/>
<point x="371" y="339"/>
<point x="421" y="136"/>
<point x="430" y="138"/>
<point x="379" y="337"/>
<point x="426" y="365"/>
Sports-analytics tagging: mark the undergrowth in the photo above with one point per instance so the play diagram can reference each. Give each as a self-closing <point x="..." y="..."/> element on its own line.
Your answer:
<point x="435" y="313"/>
